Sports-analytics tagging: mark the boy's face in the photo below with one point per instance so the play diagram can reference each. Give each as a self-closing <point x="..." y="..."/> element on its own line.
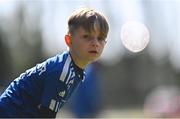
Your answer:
<point x="86" y="47"/>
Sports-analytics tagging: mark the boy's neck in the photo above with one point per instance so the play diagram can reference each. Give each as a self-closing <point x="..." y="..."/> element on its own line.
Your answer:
<point x="79" y="63"/>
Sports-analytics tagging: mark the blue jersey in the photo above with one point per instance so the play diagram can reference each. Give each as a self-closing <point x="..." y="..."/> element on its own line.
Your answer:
<point x="49" y="84"/>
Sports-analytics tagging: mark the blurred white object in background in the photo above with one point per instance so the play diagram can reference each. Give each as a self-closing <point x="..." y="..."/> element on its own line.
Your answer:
<point x="135" y="36"/>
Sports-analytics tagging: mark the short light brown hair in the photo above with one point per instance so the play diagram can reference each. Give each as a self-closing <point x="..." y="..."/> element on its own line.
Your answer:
<point x="87" y="18"/>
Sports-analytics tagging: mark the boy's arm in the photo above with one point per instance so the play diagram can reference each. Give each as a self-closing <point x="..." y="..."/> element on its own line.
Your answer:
<point x="46" y="112"/>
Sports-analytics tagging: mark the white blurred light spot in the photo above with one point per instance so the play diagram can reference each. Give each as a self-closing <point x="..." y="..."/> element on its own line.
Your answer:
<point x="134" y="36"/>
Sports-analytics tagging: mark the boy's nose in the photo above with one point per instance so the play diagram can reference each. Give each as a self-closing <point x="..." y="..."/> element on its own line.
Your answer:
<point x="95" y="42"/>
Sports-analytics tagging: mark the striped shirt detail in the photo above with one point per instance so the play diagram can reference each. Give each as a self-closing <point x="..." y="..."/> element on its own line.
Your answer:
<point x="65" y="68"/>
<point x="57" y="105"/>
<point x="68" y="76"/>
<point x="52" y="104"/>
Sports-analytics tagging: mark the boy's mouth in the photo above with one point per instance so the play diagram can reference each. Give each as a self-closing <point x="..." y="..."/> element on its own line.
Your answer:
<point x="94" y="52"/>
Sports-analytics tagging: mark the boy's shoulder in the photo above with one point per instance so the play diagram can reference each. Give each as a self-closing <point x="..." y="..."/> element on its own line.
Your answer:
<point x="50" y="66"/>
<point x="57" y="60"/>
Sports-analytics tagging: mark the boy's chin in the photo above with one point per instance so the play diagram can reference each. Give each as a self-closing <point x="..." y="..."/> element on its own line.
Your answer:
<point x="94" y="59"/>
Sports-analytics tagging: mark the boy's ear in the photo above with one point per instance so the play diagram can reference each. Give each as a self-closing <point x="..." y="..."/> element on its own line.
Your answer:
<point x="68" y="40"/>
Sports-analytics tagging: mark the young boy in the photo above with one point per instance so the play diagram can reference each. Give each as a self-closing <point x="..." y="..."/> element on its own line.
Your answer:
<point x="42" y="90"/>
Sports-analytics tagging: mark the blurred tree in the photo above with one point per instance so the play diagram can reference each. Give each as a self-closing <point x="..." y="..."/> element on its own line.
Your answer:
<point x="27" y="51"/>
<point x="5" y="60"/>
<point x="129" y="81"/>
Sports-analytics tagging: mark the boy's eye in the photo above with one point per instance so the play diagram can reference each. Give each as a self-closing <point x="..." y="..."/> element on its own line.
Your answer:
<point x="86" y="36"/>
<point x="101" y="39"/>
